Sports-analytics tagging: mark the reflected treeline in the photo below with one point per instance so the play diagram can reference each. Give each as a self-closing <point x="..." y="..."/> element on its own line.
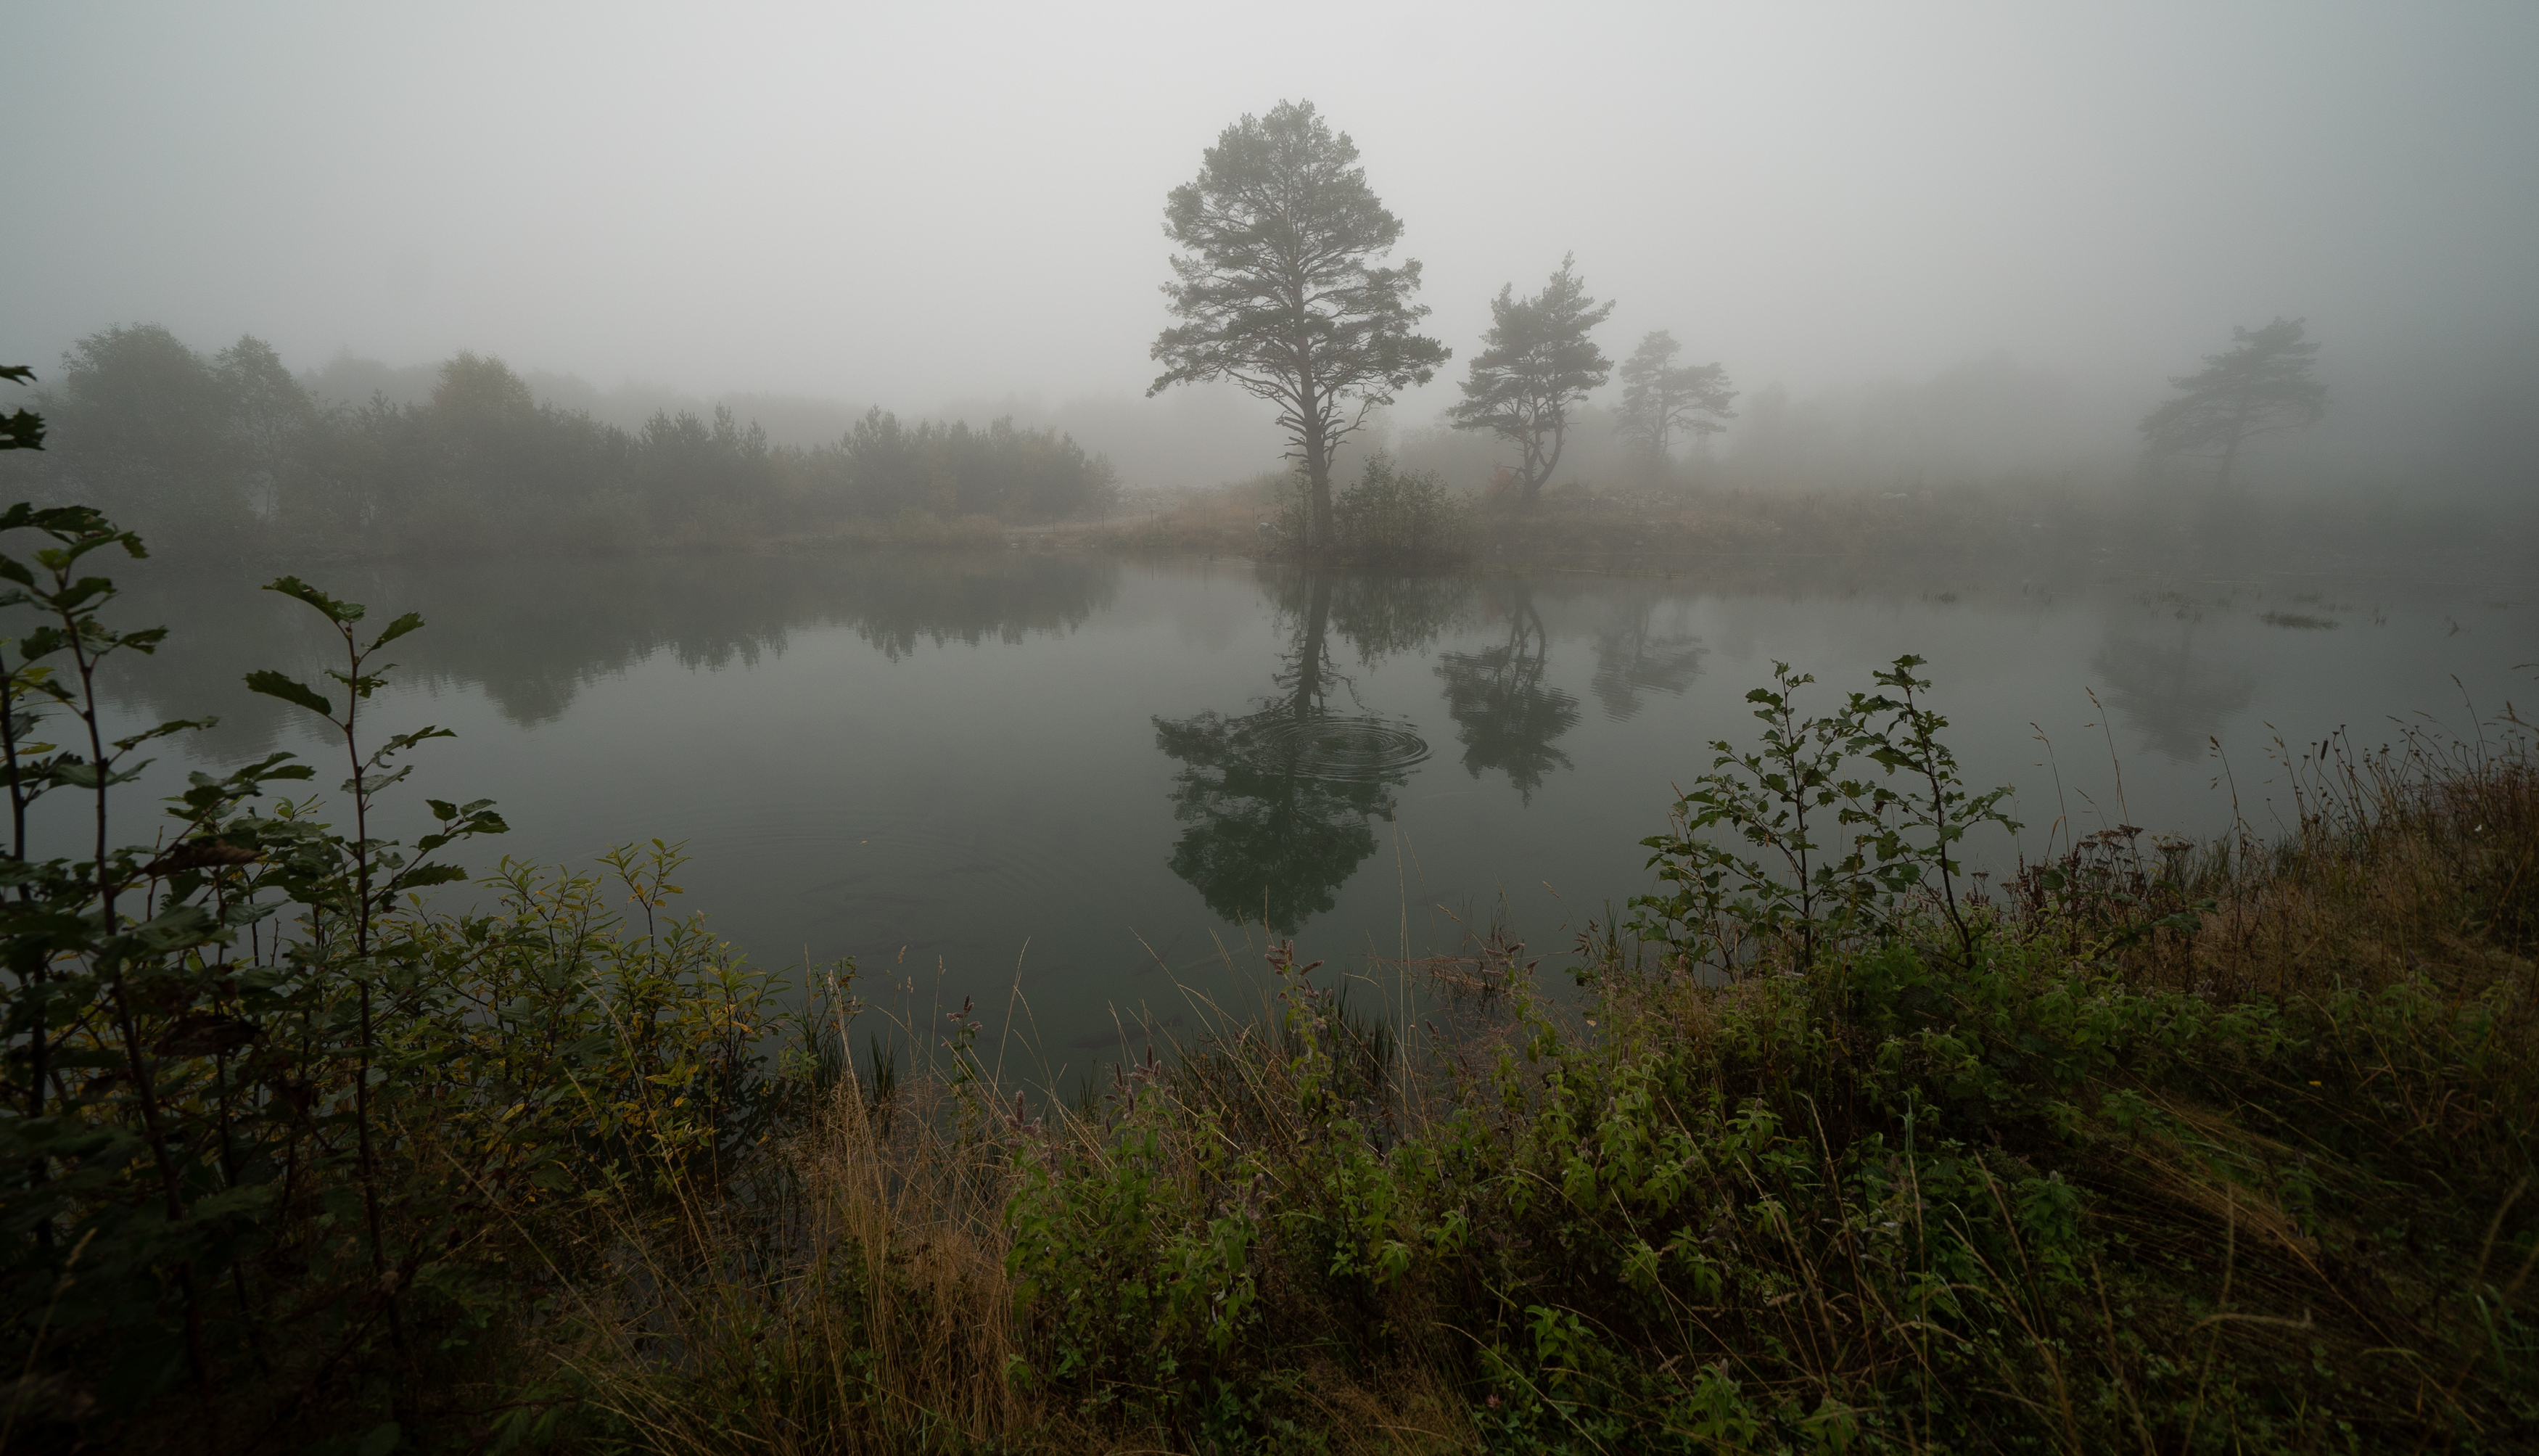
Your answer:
<point x="1505" y="715"/>
<point x="2174" y="697"/>
<point x="532" y="635"/>
<point x="1278" y="799"/>
<point x="1635" y="657"/>
<point x="1377" y="616"/>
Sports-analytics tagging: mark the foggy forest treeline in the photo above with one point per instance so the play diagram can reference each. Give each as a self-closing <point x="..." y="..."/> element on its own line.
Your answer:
<point x="232" y="451"/>
<point x="235" y="451"/>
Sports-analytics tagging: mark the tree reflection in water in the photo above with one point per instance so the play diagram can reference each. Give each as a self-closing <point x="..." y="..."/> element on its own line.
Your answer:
<point x="2175" y="699"/>
<point x="533" y="635"/>
<point x="1634" y="659"/>
<point x="1504" y="714"/>
<point x="1278" y="800"/>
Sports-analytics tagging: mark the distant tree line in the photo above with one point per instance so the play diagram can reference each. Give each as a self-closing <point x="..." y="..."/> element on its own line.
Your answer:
<point x="232" y="450"/>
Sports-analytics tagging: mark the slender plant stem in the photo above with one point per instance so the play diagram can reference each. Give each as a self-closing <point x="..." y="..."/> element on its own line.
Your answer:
<point x="127" y="1024"/>
<point x="362" y="978"/>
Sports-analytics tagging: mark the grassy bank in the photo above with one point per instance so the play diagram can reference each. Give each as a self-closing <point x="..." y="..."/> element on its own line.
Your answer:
<point x="2228" y="1149"/>
<point x="2159" y="1146"/>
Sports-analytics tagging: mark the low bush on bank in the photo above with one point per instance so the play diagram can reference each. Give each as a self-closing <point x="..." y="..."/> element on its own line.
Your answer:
<point x="2216" y="1149"/>
<point x="1388" y="517"/>
<point x="1401" y="517"/>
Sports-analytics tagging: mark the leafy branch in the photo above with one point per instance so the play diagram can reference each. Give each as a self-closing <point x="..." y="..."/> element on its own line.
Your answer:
<point x="1793" y="846"/>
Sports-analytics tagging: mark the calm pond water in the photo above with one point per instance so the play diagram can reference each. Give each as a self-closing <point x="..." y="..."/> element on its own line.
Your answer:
<point x="1097" y="780"/>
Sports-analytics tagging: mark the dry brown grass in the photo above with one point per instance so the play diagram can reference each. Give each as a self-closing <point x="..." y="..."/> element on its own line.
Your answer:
<point x="855" y="1303"/>
<point x="1213" y="524"/>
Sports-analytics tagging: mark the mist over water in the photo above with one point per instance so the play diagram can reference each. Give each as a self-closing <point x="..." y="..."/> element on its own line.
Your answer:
<point x="1102" y="776"/>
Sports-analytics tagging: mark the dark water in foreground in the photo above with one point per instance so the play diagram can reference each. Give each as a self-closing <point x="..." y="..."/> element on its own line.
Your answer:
<point x="1095" y="779"/>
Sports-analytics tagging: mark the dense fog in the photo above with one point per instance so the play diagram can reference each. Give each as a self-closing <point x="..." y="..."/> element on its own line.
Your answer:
<point x="1473" y="726"/>
<point x="1953" y="247"/>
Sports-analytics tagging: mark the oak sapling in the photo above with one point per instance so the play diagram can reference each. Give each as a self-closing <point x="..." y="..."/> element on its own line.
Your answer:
<point x="1833" y="849"/>
<point x="1931" y="809"/>
<point x="380" y="871"/>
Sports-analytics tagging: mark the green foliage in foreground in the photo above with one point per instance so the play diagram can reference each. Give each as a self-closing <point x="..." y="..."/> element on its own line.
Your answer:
<point x="284" y="1151"/>
<point x="21" y="429"/>
<point x="1900" y="1204"/>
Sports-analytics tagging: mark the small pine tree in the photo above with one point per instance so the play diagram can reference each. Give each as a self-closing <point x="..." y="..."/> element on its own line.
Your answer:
<point x="1536" y="363"/>
<point x="1662" y="398"/>
<point x="2261" y="385"/>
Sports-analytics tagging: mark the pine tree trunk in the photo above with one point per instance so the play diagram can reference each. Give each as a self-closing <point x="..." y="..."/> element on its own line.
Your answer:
<point x="1538" y="466"/>
<point x="2231" y="446"/>
<point x="1320" y="530"/>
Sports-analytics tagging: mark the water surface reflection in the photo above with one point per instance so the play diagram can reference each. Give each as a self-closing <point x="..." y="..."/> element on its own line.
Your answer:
<point x="1278" y="799"/>
<point x="1505" y="714"/>
<point x="533" y="635"/>
<point x="1091" y="781"/>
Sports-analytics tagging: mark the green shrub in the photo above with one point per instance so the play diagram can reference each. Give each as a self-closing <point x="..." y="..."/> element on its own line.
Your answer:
<point x="1390" y="518"/>
<point x="1401" y="517"/>
<point x="285" y="1146"/>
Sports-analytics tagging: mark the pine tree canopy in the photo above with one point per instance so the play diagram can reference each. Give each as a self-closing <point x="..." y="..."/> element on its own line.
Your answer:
<point x="1281" y="290"/>
<point x="2262" y="384"/>
<point x="1536" y="363"/>
<point x="1661" y="397"/>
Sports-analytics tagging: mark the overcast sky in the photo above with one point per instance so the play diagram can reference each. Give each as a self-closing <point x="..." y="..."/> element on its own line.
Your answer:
<point x="910" y="204"/>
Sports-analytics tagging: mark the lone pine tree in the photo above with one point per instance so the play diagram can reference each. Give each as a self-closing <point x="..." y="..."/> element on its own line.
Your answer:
<point x="1662" y="398"/>
<point x="1536" y="363"/>
<point x="2263" y="385"/>
<point x="1279" y="289"/>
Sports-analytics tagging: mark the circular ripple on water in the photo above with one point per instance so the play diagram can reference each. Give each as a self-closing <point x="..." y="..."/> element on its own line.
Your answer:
<point x="1341" y="749"/>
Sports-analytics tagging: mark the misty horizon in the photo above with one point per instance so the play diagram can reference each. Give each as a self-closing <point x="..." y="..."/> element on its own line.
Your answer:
<point x="1978" y="421"/>
<point x="1837" y="210"/>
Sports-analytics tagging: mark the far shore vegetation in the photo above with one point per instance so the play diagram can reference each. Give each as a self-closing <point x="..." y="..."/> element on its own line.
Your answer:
<point x="234" y="454"/>
<point x="231" y="457"/>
